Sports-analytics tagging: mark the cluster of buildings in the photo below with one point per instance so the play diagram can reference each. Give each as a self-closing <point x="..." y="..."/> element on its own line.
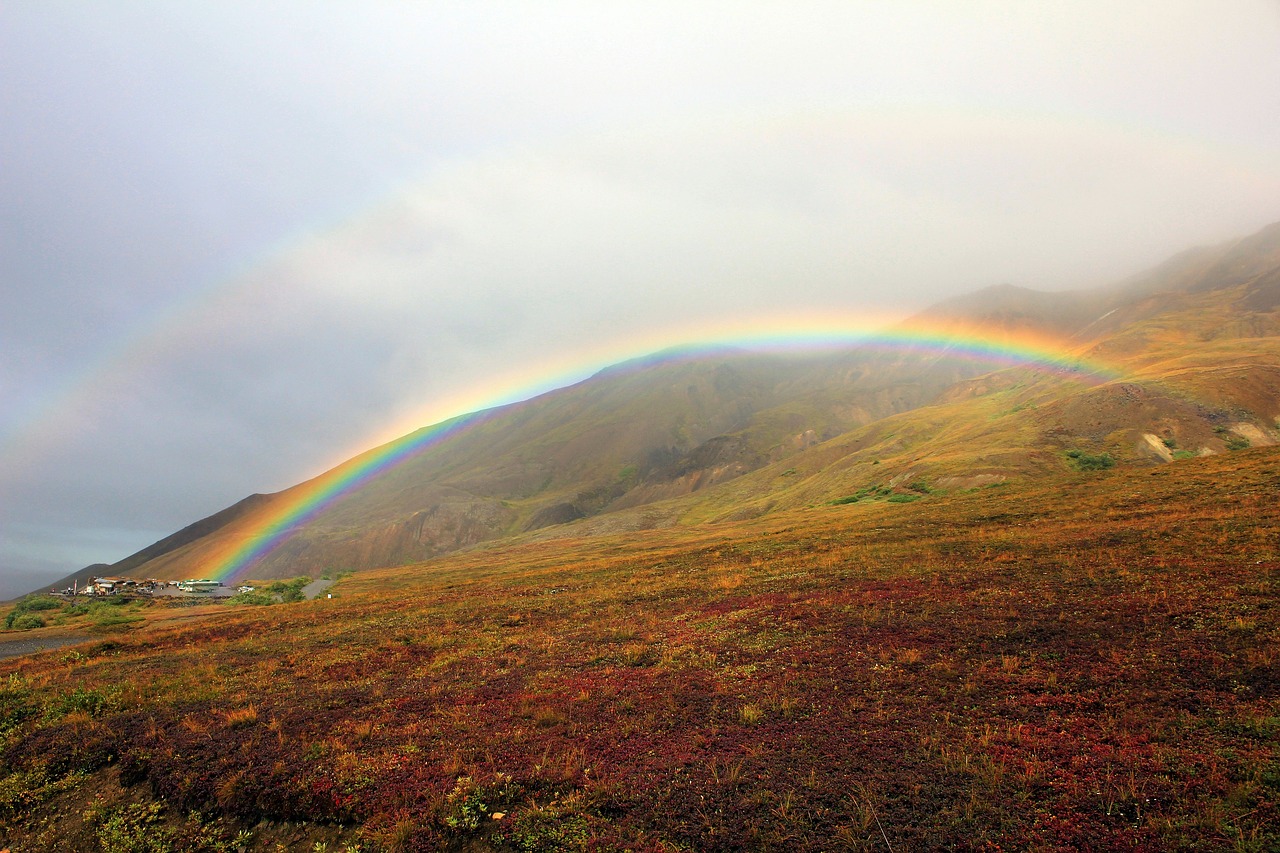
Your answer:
<point x="151" y="586"/>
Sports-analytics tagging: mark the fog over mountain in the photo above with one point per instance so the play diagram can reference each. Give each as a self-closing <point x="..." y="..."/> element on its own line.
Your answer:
<point x="240" y="245"/>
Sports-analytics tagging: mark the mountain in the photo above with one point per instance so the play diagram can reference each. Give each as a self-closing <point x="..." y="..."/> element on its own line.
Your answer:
<point x="1192" y="350"/>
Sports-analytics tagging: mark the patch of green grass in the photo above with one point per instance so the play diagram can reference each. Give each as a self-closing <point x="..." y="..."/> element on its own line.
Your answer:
<point x="23" y="791"/>
<point x="1082" y="461"/>
<point x="255" y="598"/>
<point x="553" y="828"/>
<point x="91" y="702"/>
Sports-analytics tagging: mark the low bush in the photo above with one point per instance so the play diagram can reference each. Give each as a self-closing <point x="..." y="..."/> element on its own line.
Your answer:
<point x="255" y="598"/>
<point x="1082" y="461"/>
<point x="25" y="790"/>
<point x="41" y="602"/>
<point x="80" y="700"/>
<point x="136" y="828"/>
<point x="290" y="590"/>
<point x="19" y="617"/>
<point x="26" y="622"/>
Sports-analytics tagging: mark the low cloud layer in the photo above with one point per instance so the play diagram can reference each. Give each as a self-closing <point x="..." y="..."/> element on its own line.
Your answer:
<point x="238" y="245"/>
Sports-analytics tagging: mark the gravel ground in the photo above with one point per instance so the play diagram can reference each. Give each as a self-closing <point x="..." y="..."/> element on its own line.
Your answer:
<point x="15" y="648"/>
<point x="311" y="590"/>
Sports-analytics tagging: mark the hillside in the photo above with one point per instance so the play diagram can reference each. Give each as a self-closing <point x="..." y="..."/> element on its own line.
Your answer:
<point x="689" y="436"/>
<point x="919" y="596"/>
<point x="1085" y="662"/>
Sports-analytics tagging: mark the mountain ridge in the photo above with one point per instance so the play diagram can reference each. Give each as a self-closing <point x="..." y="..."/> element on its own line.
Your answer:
<point x="688" y="435"/>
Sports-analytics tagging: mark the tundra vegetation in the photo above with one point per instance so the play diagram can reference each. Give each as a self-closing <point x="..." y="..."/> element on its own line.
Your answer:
<point x="95" y="615"/>
<point x="1091" y="662"/>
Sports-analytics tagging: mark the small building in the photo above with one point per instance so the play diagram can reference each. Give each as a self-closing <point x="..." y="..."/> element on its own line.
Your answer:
<point x="108" y="585"/>
<point x="202" y="585"/>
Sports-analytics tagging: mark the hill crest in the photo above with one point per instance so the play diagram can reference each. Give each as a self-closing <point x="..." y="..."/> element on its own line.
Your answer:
<point x="688" y="435"/>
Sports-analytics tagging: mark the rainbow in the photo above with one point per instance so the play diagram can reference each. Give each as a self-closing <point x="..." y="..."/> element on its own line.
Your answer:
<point x="31" y="428"/>
<point x="298" y="506"/>
<point x="308" y="500"/>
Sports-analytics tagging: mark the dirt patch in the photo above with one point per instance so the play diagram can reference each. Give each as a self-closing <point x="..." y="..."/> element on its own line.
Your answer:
<point x="1256" y="436"/>
<point x="1155" y="445"/>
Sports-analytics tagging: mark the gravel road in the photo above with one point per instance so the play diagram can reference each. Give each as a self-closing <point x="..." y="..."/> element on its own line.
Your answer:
<point x="15" y="648"/>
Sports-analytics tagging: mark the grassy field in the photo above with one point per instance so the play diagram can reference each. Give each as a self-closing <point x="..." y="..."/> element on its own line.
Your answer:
<point x="1092" y="662"/>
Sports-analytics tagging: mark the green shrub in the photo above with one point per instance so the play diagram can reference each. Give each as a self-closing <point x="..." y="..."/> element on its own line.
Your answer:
<point x="135" y="828"/>
<point x="1238" y="442"/>
<point x="31" y="604"/>
<point x="468" y="805"/>
<point x="26" y="622"/>
<point x="145" y="828"/>
<point x="90" y="702"/>
<point x="257" y="598"/>
<point x="110" y="618"/>
<point x="16" y="703"/>
<point x="290" y="590"/>
<point x="549" y="828"/>
<point x="25" y="790"/>
<point x="465" y="805"/>
<point x="1082" y="461"/>
<point x="903" y="499"/>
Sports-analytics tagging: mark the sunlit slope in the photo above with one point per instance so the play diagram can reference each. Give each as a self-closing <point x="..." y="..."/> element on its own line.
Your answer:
<point x="1193" y="360"/>
<point x="637" y="433"/>
<point x="1199" y="380"/>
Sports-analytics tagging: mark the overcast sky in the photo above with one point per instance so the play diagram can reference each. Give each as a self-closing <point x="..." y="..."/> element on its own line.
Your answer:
<point x="241" y="241"/>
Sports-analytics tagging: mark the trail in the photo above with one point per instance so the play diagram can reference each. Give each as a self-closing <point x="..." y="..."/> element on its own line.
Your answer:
<point x="314" y="588"/>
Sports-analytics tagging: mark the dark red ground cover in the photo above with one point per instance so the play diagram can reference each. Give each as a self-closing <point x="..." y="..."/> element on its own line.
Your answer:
<point x="1099" y="675"/>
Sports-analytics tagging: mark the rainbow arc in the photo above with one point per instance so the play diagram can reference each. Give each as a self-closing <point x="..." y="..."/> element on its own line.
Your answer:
<point x="298" y="506"/>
